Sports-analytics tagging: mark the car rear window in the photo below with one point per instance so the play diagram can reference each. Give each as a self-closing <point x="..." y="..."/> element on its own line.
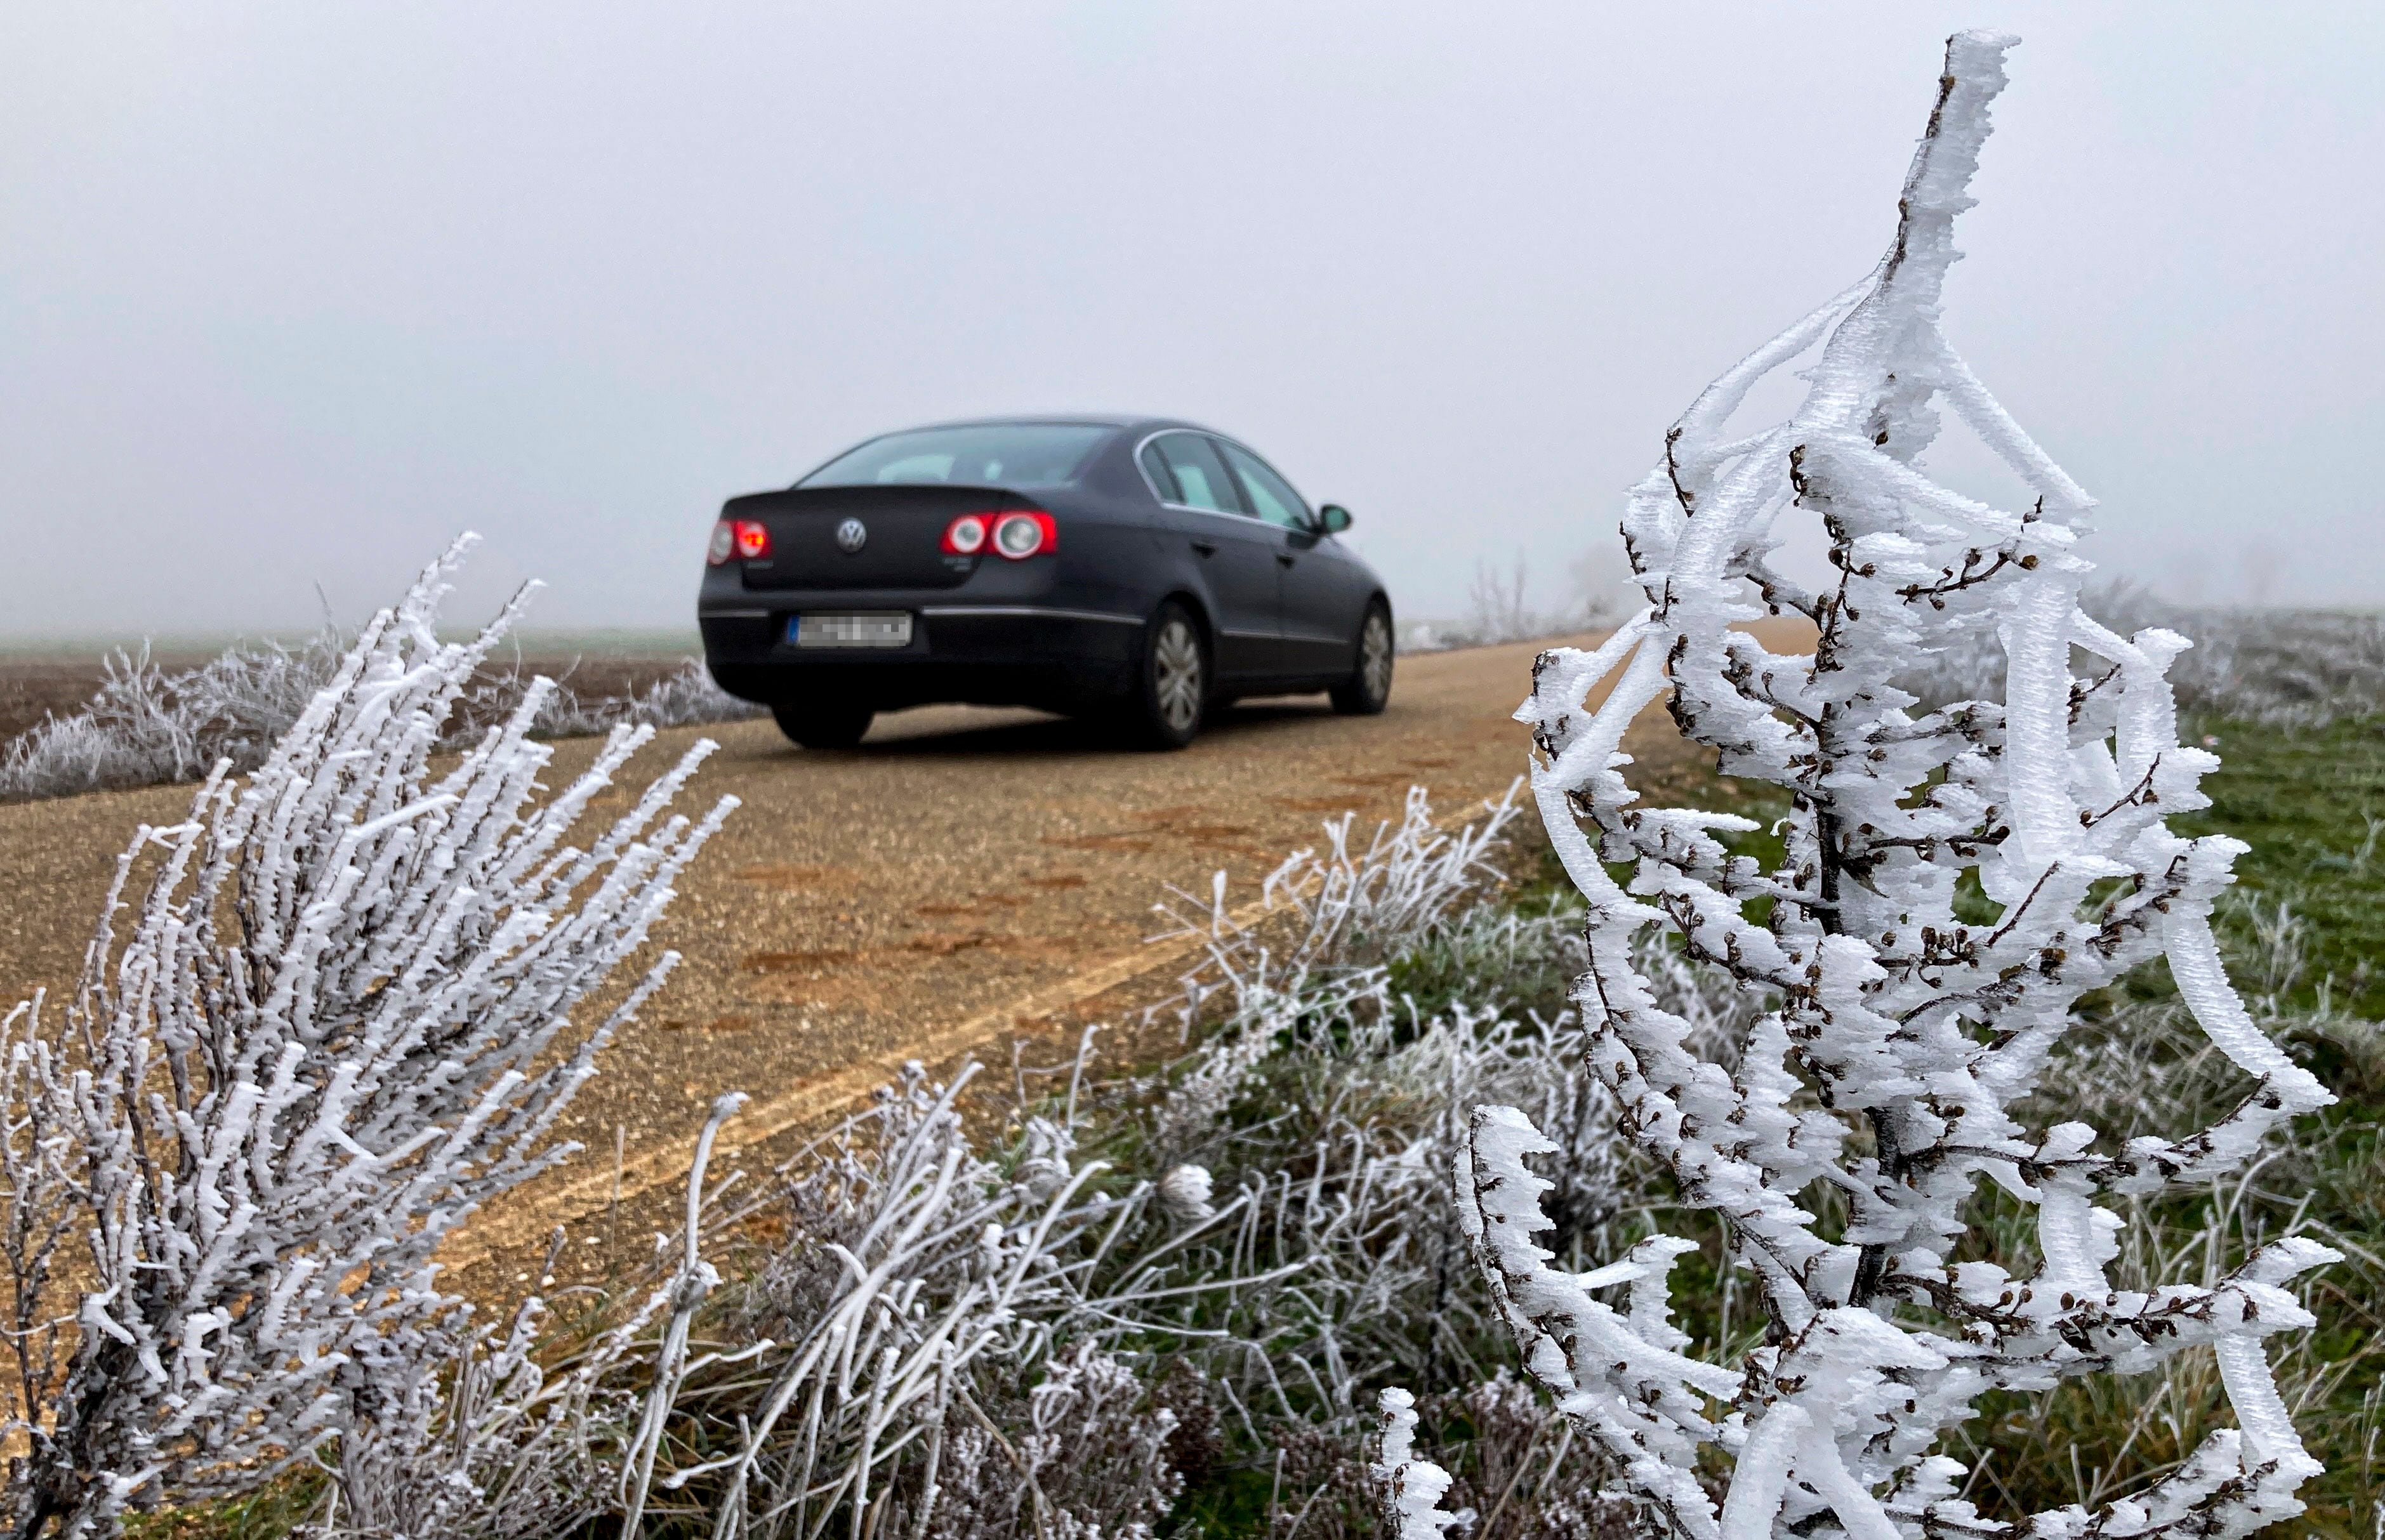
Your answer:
<point x="988" y="455"/>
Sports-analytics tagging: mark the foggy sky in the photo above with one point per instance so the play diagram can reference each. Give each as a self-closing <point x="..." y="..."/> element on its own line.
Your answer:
<point x="290" y="293"/>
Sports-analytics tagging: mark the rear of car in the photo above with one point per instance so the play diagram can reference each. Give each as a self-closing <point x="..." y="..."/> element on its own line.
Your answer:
<point x="970" y="563"/>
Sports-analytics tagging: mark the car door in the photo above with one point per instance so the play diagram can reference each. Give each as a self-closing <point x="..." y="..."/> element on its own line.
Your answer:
<point x="1236" y="552"/>
<point x="1320" y="593"/>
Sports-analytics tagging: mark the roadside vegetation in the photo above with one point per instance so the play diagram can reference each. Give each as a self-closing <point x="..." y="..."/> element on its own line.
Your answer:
<point x="2300" y="936"/>
<point x="1163" y="1302"/>
<point x="1963" y="1170"/>
<point x="147" y="725"/>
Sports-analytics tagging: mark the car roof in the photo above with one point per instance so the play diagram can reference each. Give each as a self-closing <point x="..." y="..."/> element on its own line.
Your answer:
<point x="1078" y="420"/>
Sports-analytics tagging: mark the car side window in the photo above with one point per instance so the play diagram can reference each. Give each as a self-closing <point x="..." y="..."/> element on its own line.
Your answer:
<point x="1200" y="478"/>
<point x="1271" y="496"/>
<point x="1155" y="471"/>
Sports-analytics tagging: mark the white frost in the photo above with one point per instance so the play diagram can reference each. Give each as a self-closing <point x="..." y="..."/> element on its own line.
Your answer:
<point x="1891" y="1017"/>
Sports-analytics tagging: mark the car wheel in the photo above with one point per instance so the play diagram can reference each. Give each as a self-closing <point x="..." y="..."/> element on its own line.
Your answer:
<point x="1172" y="686"/>
<point x="815" y="724"/>
<point x="1368" y="689"/>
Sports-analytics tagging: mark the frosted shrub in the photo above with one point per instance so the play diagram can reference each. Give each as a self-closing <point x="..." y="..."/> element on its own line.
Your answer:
<point x="1089" y="1463"/>
<point x="1331" y="1100"/>
<point x="1350" y="904"/>
<point x="686" y="697"/>
<point x="921" y="1291"/>
<point x="1907" y="1016"/>
<point x="1403" y="886"/>
<point x="1329" y="922"/>
<point x="335" y="1020"/>
<point x="509" y="1435"/>
<point x="147" y="726"/>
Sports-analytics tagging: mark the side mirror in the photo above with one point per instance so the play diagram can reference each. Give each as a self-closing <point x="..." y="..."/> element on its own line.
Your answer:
<point x="1333" y="519"/>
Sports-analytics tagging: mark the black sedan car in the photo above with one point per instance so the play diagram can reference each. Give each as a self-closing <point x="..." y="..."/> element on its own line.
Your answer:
<point x="1139" y="568"/>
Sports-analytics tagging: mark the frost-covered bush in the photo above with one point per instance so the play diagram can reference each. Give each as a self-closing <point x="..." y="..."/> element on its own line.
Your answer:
<point x="921" y="1289"/>
<point x="1954" y="880"/>
<point x="686" y="697"/>
<point x="948" y="1301"/>
<point x="1499" y="607"/>
<point x="1089" y="1462"/>
<point x="933" y="1334"/>
<point x="149" y="726"/>
<point x="1326" y="1085"/>
<point x="512" y="1434"/>
<point x="321" y="1021"/>
<point x="1354" y="906"/>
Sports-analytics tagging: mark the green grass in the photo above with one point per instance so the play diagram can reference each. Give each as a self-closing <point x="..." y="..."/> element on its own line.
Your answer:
<point x="2311" y="805"/>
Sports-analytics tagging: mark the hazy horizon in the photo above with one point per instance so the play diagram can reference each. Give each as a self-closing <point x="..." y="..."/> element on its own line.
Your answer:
<point x="292" y="295"/>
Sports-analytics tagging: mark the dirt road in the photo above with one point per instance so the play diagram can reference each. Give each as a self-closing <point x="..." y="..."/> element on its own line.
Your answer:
<point x="964" y="877"/>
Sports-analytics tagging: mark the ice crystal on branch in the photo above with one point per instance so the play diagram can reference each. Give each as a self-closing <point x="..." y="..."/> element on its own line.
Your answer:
<point x="337" y="1020"/>
<point x="1903" y="1029"/>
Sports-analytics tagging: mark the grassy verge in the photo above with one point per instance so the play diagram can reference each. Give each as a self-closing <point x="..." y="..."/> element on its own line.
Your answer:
<point x="1314" y="1109"/>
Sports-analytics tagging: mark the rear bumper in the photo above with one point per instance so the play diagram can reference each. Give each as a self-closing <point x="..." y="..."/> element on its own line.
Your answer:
<point x="1049" y="656"/>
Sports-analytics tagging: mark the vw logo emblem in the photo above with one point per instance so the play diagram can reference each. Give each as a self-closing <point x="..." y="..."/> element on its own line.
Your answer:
<point x="851" y="535"/>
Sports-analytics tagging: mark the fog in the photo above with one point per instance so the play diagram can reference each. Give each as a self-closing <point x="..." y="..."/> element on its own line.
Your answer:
<point x="290" y="293"/>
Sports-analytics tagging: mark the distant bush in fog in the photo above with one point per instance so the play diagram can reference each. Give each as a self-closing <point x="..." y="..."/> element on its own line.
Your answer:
<point x="1498" y="608"/>
<point x="147" y="725"/>
<point x="2301" y="668"/>
<point x="685" y="698"/>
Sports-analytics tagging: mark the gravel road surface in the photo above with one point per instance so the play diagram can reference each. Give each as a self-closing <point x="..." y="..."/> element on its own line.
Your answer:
<point x="964" y="878"/>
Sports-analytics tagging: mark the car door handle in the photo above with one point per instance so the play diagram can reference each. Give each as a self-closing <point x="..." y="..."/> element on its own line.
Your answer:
<point x="1206" y="548"/>
<point x="1284" y="558"/>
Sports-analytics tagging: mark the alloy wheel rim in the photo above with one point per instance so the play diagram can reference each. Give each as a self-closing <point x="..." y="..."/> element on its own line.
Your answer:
<point x="1375" y="657"/>
<point x="1178" y="675"/>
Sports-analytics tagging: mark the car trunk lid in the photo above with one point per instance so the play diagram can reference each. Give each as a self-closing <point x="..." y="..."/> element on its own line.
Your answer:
<point x="901" y="531"/>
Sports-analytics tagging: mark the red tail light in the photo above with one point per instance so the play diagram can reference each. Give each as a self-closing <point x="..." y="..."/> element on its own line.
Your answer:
<point x="742" y="539"/>
<point x="966" y="535"/>
<point x="1021" y="535"/>
<point x="1017" y="534"/>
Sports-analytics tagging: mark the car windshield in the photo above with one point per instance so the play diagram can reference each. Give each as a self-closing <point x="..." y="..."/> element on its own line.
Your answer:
<point x="985" y="455"/>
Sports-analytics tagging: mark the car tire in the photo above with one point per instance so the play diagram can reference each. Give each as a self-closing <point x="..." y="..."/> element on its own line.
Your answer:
<point x="815" y="724"/>
<point x="1172" y="680"/>
<point x="1368" y="689"/>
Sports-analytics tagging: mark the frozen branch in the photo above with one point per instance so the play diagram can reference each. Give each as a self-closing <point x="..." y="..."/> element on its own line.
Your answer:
<point x="339" y="1017"/>
<point x="1901" y="1030"/>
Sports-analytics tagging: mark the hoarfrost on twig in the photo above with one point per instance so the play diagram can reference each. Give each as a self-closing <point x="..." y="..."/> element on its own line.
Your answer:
<point x="1905" y="1018"/>
<point x="338" y="1019"/>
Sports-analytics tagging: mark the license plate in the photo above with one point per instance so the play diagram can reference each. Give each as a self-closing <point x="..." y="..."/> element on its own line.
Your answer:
<point x="887" y="628"/>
